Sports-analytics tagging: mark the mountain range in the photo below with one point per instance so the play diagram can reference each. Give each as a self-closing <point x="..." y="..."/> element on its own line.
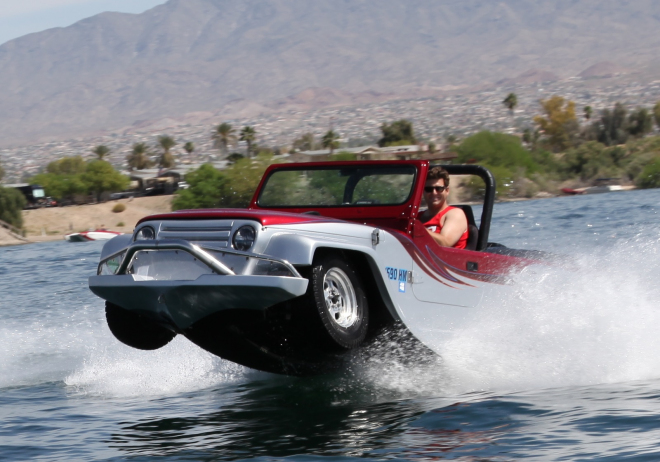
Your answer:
<point x="229" y="57"/>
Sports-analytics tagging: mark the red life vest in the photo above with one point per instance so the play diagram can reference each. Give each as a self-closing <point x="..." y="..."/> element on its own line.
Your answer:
<point x="435" y="225"/>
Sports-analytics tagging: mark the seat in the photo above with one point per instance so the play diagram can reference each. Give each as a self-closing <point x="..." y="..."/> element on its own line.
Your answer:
<point x="473" y="237"/>
<point x="473" y="231"/>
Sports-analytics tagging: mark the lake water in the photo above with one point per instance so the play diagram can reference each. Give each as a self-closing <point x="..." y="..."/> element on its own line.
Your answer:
<point x="568" y="368"/>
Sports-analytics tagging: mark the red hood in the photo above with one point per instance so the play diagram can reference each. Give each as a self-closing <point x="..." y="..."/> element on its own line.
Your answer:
<point x="264" y="217"/>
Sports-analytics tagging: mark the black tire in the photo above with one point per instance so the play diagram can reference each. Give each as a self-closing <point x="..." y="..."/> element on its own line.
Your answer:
<point x="340" y="301"/>
<point x="135" y="330"/>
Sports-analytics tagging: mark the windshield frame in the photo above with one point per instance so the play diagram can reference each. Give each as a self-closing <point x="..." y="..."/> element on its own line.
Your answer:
<point x="355" y="173"/>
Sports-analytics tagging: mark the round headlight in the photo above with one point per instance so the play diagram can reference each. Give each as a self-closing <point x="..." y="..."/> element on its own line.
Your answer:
<point x="146" y="233"/>
<point x="244" y="238"/>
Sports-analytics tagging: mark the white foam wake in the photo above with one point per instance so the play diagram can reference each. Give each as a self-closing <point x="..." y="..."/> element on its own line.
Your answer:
<point x="595" y="322"/>
<point x="74" y="345"/>
<point x="117" y="370"/>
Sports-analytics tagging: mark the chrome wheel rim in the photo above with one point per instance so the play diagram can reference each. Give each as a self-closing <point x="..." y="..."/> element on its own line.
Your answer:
<point x="340" y="299"/>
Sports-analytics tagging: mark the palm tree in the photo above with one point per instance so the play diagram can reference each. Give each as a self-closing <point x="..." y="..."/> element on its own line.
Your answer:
<point x="139" y="158"/>
<point x="511" y="101"/>
<point x="101" y="151"/>
<point x="223" y="135"/>
<point x="189" y="147"/>
<point x="587" y="112"/>
<point x="248" y="135"/>
<point x="330" y="141"/>
<point x="166" y="143"/>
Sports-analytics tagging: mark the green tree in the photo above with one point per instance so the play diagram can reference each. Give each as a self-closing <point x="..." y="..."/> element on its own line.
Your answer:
<point x="60" y="185"/>
<point x="640" y="122"/>
<point x="243" y="178"/>
<point x="638" y="153"/>
<point x="650" y="176"/>
<point x="589" y="160"/>
<point x="138" y="159"/>
<point x="62" y="179"/>
<point x="248" y="135"/>
<point x="559" y="123"/>
<point x="656" y="113"/>
<point x="496" y="150"/>
<point x="101" y="151"/>
<point x="2" y="172"/>
<point x="234" y="187"/>
<point x="67" y="166"/>
<point x="612" y="128"/>
<point x="223" y="135"/>
<point x="504" y="155"/>
<point x="531" y="137"/>
<point x="511" y="101"/>
<point x="305" y="143"/>
<point x="588" y="112"/>
<point x="206" y="189"/>
<point x="12" y="202"/>
<point x="100" y="176"/>
<point x="189" y="147"/>
<point x="166" y="143"/>
<point x="330" y="141"/>
<point x="397" y="133"/>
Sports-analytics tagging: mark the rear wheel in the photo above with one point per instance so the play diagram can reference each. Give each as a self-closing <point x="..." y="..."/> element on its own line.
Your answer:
<point x="135" y="330"/>
<point x="340" y="301"/>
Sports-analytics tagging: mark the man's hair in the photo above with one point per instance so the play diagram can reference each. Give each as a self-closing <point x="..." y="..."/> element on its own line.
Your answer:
<point x="435" y="173"/>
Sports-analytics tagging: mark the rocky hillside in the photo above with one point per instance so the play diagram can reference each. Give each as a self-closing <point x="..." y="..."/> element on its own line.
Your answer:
<point x="113" y="70"/>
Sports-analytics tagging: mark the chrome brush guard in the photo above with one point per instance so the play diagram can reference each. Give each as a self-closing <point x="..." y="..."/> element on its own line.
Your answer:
<point x="176" y="259"/>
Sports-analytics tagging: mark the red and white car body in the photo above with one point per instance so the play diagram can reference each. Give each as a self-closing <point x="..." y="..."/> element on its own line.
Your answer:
<point x="325" y="257"/>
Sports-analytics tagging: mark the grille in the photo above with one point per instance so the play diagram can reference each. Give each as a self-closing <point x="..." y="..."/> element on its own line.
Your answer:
<point x="216" y="232"/>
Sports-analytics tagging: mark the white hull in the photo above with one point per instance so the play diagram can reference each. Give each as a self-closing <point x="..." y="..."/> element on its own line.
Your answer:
<point x="91" y="236"/>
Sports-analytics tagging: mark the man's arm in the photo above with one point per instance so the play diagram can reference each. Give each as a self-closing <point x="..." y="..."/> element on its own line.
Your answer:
<point x="452" y="229"/>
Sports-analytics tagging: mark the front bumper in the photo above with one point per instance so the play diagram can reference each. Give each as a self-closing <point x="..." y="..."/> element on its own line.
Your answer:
<point x="179" y="283"/>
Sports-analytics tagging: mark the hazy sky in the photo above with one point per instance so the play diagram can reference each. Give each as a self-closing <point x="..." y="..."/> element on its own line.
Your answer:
<point x="21" y="17"/>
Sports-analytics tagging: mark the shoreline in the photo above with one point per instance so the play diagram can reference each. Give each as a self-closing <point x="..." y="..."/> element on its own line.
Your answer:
<point x="52" y="224"/>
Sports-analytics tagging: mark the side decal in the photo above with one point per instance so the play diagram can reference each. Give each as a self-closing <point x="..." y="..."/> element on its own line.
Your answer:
<point x="442" y="272"/>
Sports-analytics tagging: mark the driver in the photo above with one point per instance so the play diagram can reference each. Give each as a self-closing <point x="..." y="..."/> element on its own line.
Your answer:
<point x="447" y="225"/>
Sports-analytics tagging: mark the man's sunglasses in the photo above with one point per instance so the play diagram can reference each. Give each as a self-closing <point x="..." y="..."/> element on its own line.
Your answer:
<point x="430" y="189"/>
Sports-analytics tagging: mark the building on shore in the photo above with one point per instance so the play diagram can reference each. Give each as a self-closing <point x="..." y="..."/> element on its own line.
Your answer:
<point x="155" y="181"/>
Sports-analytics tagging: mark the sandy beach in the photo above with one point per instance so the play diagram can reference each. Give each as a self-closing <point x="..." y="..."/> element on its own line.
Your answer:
<point x="50" y="224"/>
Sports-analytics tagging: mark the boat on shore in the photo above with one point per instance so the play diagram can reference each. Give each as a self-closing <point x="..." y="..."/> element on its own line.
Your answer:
<point x="92" y="235"/>
<point x="600" y="186"/>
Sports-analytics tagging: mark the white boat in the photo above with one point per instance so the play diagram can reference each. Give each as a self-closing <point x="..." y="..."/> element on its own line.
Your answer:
<point x="92" y="235"/>
<point x="603" y="189"/>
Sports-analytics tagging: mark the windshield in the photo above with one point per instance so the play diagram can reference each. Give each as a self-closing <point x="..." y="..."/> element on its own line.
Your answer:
<point x="338" y="186"/>
<point x="38" y="192"/>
